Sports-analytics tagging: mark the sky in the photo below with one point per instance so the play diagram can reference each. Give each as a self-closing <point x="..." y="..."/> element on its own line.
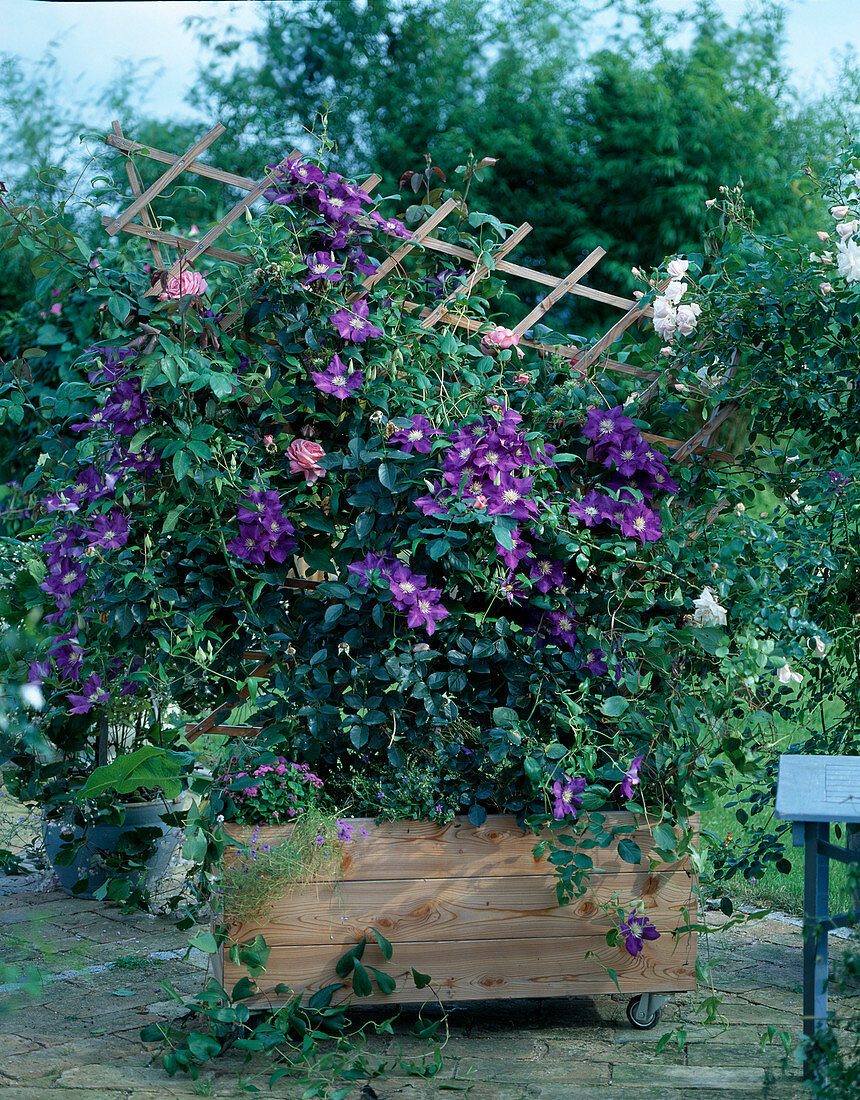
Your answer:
<point x="95" y="37"/>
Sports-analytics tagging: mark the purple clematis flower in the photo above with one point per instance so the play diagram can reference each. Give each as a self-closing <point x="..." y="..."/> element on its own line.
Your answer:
<point x="596" y="664"/>
<point x="110" y="531"/>
<point x="336" y="380"/>
<point x="593" y="508"/>
<point x="565" y="793"/>
<point x="406" y="587"/>
<point x="427" y="611"/>
<point x="637" y="521"/>
<point x="249" y="544"/>
<point x="389" y="225"/>
<point x="631" y="778"/>
<point x="546" y="573"/>
<point x="64" y="580"/>
<point x="512" y="590"/>
<point x="607" y="427"/>
<point x="521" y="549"/>
<point x="353" y="324"/>
<point x="628" y="456"/>
<point x="92" y="694"/>
<point x="322" y="265"/>
<point x="560" y="625"/>
<point x="510" y="497"/>
<point x="418" y="437"/>
<point x="365" y="567"/>
<point x="635" y="930"/>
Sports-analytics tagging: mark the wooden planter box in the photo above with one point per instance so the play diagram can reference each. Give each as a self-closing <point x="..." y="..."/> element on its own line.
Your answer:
<point x="475" y="910"/>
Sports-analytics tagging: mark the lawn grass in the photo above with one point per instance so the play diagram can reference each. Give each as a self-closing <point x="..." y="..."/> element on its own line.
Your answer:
<point x="773" y="889"/>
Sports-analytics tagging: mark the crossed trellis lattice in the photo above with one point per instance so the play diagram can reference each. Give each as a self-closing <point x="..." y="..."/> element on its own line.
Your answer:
<point x="190" y="250"/>
<point x="449" y="311"/>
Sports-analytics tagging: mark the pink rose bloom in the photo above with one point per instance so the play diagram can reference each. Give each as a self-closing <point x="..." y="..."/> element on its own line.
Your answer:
<point x="187" y="282"/>
<point x="522" y="379"/>
<point x="498" y="338"/>
<point x="56" y="308"/>
<point x="304" y="456"/>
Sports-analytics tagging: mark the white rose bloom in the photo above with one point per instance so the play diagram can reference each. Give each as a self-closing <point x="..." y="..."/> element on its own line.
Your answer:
<point x="687" y="316"/>
<point x="818" y="645"/>
<point x="675" y="291"/>
<point x="31" y="695"/>
<point x="707" y="611"/>
<point x="664" y="325"/>
<point x="847" y="229"/>
<point x="839" y="212"/>
<point x="848" y="260"/>
<point x="677" y="268"/>
<point x="662" y="306"/>
<point x="786" y="676"/>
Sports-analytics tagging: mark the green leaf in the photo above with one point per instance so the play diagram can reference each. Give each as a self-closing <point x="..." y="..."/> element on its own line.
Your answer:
<point x="181" y="464"/>
<point x="361" y="980"/>
<point x="172" y="519"/>
<point x="505" y="718"/>
<point x="322" y="998"/>
<point x="384" y="946"/>
<point x="385" y="982"/>
<point x="615" y="706"/>
<point x="205" y="941"/>
<point x="343" y="966"/>
<point x="664" y="836"/>
<point x="149" y="766"/>
<point x="421" y="980"/>
<point x="242" y="989"/>
<point x="387" y="475"/>
<point x="629" y="851"/>
<point x="202" y="1046"/>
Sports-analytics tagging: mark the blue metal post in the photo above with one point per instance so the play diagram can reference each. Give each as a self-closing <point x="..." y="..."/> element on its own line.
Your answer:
<point x="816" y="910"/>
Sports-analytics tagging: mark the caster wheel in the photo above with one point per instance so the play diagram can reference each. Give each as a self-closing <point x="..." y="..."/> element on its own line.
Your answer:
<point x="641" y="1023"/>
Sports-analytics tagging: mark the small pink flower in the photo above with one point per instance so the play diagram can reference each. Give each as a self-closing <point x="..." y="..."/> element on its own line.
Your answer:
<point x="497" y="339"/>
<point x="304" y="456"/>
<point x="56" y="309"/>
<point x="522" y="379"/>
<point x="193" y="231"/>
<point x="55" y="293"/>
<point x="187" y="282"/>
<point x="709" y="203"/>
<point x="825" y="288"/>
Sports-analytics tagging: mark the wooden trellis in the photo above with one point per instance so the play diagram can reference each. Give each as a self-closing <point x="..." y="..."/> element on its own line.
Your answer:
<point x="445" y="312"/>
<point x="138" y="219"/>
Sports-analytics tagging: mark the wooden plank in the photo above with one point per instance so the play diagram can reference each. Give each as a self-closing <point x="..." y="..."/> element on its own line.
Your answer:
<point x="430" y="910"/>
<point x="146" y="217"/>
<point x="417" y="237"/>
<point x="479" y="970"/>
<point x="474" y="325"/>
<point x="480" y="272"/>
<point x="198" y="168"/>
<point x="567" y="284"/>
<point x="181" y="243"/>
<point x="542" y="277"/>
<point x="424" y="849"/>
<point x="234" y="731"/>
<point x="609" y="338"/>
<point x="371" y="183"/>
<point x="703" y="436"/>
<point x="154" y="189"/>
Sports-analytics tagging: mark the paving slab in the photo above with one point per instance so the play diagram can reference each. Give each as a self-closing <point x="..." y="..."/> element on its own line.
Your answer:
<point x="79" y="1038"/>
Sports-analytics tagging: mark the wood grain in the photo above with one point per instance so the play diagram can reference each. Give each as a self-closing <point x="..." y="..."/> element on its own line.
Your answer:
<point x="470" y="970"/>
<point x="423" y="849"/>
<point x="425" y="910"/>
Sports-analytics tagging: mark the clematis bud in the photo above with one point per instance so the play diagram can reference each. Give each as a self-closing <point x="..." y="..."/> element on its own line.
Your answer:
<point x="822" y="236"/>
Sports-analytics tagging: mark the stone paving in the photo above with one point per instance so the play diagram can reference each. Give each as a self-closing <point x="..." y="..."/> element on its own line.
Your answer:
<point x="77" y="1036"/>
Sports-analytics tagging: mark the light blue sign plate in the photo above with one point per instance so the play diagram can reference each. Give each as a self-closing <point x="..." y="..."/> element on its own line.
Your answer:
<point x="818" y="788"/>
